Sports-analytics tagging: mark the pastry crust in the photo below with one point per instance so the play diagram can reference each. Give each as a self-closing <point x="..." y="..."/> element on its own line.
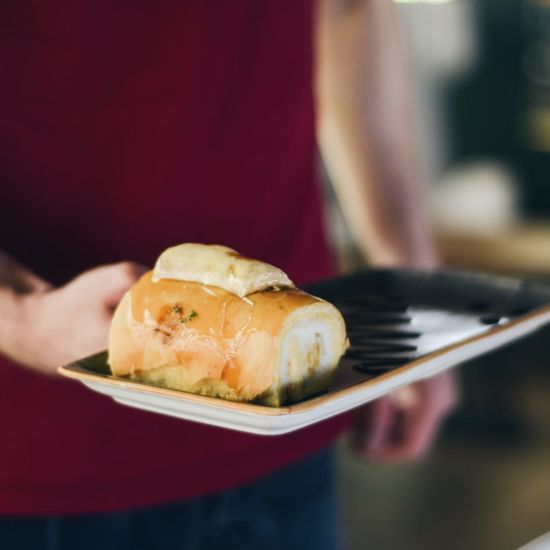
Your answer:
<point x="273" y="346"/>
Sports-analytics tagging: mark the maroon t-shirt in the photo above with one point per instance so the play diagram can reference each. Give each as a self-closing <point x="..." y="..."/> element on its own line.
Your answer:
<point x="127" y="127"/>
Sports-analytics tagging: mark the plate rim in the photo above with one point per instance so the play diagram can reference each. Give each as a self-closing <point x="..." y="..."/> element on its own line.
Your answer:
<point x="76" y="371"/>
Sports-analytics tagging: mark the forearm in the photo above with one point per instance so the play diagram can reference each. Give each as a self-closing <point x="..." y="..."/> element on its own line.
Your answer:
<point x="15" y="282"/>
<point x="365" y="130"/>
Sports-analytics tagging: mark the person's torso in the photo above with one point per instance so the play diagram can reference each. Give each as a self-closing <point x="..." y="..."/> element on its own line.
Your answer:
<point x="125" y="128"/>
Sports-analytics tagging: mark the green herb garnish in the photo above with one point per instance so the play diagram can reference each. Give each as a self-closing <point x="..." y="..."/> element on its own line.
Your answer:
<point x="191" y="315"/>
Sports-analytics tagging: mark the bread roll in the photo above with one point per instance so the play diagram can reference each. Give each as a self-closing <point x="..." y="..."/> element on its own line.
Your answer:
<point x="250" y="341"/>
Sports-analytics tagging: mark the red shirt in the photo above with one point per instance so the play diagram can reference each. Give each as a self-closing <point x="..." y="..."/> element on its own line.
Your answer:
<point x="127" y="127"/>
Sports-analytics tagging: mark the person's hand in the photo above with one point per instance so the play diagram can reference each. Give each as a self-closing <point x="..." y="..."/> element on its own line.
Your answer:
<point x="56" y="326"/>
<point x="403" y="426"/>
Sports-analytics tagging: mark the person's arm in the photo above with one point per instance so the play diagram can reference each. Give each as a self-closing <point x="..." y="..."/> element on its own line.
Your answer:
<point x="42" y="327"/>
<point x="365" y="130"/>
<point x="366" y="139"/>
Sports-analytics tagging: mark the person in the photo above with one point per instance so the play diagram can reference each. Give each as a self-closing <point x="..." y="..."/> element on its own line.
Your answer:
<point x="129" y="127"/>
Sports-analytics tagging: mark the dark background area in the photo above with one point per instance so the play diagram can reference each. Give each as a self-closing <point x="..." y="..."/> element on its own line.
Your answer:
<point x="492" y="110"/>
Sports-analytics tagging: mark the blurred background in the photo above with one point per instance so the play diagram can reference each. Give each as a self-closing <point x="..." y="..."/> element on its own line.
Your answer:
<point x="480" y="71"/>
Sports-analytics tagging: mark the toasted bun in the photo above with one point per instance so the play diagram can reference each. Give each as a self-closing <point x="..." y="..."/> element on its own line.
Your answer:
<point x="274" y="346"/>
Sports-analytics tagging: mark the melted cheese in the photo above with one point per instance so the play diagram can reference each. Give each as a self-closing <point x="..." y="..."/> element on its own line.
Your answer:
<point x="218" y="266"/>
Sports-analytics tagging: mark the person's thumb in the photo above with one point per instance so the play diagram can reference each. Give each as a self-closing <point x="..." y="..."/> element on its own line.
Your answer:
<point x="107" y="284"/>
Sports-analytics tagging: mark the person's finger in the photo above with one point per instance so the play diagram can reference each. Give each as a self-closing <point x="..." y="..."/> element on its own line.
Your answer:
<point x="373" y="425"/>
<point x="107" y="284"/>
<point x="406" y="398"/>
<point x="416" y="429"/>
<point x="448" y="391"/>
<point x="413" y="436"/>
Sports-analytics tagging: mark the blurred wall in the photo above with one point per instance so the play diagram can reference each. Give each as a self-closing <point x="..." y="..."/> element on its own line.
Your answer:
<point x="497" y="109"/>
